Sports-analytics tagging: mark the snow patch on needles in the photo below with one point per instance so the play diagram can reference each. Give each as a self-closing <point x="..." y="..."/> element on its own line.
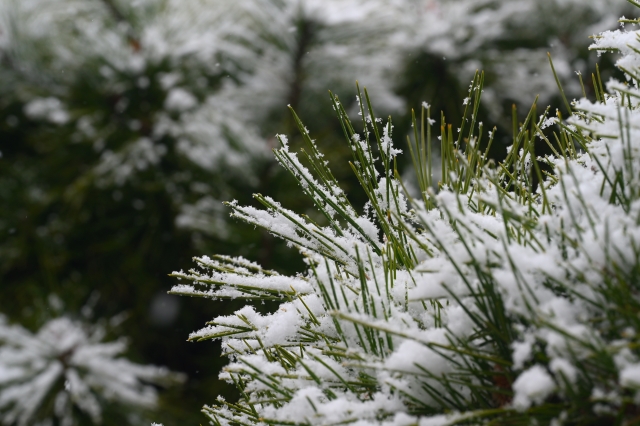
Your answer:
<point x="532" y="386"/>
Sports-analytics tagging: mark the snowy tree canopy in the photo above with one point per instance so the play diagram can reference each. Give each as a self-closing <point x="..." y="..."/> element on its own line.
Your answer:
<point x="212" y="74"/>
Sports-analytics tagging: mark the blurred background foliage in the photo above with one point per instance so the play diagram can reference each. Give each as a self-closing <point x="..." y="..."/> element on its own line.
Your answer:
<point x="125" y="124"/>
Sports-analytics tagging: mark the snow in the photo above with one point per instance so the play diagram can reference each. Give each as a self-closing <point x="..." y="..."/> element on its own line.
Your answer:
<point x="564" y="370"/>
<point x="179" y="100"/>
<point x="533" y="386"/>
<point x="522" y="351"/>
<point x="630" y="376"/>
<point x="50" y="109"/>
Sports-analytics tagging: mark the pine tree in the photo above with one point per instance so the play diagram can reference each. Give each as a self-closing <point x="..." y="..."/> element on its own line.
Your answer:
<point x="124" y="124"/>
<point x="67" y="374"/>
<point x="503" y="293"/>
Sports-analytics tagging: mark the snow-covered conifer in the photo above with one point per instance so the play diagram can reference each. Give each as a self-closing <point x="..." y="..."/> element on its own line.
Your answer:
<point x="181" y="80"/>
<point x="508" y="295"/>
<point x="66" y="372"/>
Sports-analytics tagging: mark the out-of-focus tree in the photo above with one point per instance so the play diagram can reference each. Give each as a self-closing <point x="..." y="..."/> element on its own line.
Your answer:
<point x="66" y="372"/>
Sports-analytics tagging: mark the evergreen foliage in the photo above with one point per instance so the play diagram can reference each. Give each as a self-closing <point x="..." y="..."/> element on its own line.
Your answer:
<point x="124" y="123"/>
<point x="502" y="293"/>
<point x="67" y="374"/>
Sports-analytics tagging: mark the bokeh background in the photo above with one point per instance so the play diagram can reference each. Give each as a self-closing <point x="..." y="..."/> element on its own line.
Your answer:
<point x="124" y="124"/>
